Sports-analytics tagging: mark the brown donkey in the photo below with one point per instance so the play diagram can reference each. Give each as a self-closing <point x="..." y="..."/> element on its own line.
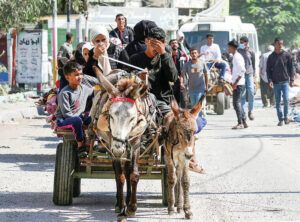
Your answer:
<point x="181" y="126"/>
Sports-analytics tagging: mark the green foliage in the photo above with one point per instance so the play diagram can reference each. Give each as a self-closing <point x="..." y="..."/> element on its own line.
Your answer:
<point x="14" y="13"/>
<point x="271" y="17"/>
<point x="77" y="6"/>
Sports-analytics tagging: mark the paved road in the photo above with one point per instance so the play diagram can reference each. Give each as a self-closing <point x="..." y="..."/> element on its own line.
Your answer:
<point x="252" y="175"/>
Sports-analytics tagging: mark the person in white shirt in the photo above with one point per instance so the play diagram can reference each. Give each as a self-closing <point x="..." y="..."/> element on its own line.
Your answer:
<point x="238" y="83"/>
<point x="212" y="53"/>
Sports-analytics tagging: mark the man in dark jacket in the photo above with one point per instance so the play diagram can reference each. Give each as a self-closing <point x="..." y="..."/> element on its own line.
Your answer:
<point x="179" y="58"/>
<point x="161" y="67"/>
<point x="280" y="73"/>
<point x="249" y="58"/>
<point x="123" y="32"/>
<point x="141" y="29"/>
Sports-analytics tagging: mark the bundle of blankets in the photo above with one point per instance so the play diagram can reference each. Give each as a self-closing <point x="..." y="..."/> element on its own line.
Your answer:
<point x="294" y="97"/>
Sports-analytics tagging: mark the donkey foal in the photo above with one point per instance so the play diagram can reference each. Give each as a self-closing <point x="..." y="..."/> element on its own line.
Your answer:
<point x="181" y="126"/>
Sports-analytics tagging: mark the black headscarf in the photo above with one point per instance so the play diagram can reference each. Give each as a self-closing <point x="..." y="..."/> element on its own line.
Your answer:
<point x="141" y="30"/>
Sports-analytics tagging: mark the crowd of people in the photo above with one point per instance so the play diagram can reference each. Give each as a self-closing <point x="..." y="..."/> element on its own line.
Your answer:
<point x="185" y="67"/>
<point x="146" y="49"/>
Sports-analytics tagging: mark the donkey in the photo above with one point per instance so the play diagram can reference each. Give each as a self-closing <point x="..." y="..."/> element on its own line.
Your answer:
<point x="179" y="142"/>
<point x="127" y="118"/>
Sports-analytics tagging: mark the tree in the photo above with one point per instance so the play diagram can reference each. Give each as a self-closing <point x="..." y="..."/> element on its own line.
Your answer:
<point x="15" y="13"/>
<point x="271" y="17"/>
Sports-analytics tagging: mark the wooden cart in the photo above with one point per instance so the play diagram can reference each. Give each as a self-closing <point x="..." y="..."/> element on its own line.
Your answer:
<point x="69" y="170"/>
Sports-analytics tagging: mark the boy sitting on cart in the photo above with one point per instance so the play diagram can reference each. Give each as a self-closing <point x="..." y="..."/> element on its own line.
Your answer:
<point x="72" y="101"/>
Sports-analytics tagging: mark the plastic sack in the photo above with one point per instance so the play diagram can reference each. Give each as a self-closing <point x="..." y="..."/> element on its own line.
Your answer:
<point x="201" y="122"/>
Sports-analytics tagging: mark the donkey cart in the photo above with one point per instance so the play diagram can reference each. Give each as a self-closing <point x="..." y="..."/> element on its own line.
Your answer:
<point x="69" y="169"/>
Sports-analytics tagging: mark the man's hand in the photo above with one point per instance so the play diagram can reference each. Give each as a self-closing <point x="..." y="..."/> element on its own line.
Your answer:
<point x="271" y="85"/>
<point x="158" y="46"/>
<point x="182" y="87"/>
<point x="234" y="86"/>
<point x="255" y="79"/>
<point x="291" y="84"/>
<point x="143" y="74"/>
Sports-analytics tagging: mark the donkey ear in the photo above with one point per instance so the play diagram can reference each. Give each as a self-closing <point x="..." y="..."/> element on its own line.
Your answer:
<point x="107" y="85"/>
<point x="175" y="108"/>
<point x="138" y="91"/>
<point x="197" y="108"/>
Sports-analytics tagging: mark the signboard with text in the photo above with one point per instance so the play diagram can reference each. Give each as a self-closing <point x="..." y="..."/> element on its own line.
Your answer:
<point x="31" y="57"/>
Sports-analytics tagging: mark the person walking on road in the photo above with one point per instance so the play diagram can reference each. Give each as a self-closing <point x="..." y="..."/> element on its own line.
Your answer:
<point x="66" y="50"/>
<point x="197" y="77"/>
<point x="267" y="93"/>
<point x="179" y="58"/>
<point x="238" y="83"/>
<point x="280" y="73"/>
<point x="249" y="58"/>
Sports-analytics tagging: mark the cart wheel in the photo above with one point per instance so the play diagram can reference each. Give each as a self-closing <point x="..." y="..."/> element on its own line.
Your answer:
<point x="227" y="102"/>
<point x="63" y="180"/>
<point x="164" y="180"/>
<point x="220" y="106"/>
<point x="77" y="181"/>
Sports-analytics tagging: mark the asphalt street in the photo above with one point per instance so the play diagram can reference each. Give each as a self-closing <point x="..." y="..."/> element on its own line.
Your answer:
<point x="251" y="175"/>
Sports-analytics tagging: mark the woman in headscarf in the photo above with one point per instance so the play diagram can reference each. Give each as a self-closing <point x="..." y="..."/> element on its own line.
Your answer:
<point x="100" y="40"/>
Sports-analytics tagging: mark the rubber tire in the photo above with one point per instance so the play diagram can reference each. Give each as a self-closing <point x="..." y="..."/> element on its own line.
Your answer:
<point x="164" y="181"/>
<point x="227" y="102"/>
<point x="220" y="106"/>
<point x="63" y="181"/>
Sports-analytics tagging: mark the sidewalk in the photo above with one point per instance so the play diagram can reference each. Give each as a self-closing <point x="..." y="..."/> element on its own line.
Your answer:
<point x="17" y="106"/>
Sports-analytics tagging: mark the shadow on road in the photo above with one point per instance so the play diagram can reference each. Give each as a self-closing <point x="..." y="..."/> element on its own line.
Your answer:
<point x="31" y="206"/>
<point x="37" y="206"/>
<point x="30" y="162"/>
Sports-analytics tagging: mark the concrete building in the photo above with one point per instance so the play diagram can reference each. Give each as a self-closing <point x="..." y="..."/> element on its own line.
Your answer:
<point x="185" y="7"/>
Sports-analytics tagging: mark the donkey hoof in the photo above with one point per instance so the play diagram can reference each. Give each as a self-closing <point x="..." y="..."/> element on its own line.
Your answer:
<point x="117" y="210"/>
<point x="122" y="219"/>
<point x="171" y="212"/>
<point x="130" y="211"/>
<point x="179" y="209"/>
<point x="188" y="214"/>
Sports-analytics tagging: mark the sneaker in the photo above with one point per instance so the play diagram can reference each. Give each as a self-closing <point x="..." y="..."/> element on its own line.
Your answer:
<point x="286" y="121"/>
<point x="245" y="125"/>
<point x="82" y="152"/>
<point x="238" y="126"/>
<point x="280" y="123"/>
<point x="196" y="136"/>
<point x="250" y="115"/>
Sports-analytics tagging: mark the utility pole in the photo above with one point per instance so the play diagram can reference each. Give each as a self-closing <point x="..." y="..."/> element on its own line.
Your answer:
<point x="68" y="15"/>
<point x="54" y="40"/>
<point x="86" y="16"/>
<point x="172" y="5"/>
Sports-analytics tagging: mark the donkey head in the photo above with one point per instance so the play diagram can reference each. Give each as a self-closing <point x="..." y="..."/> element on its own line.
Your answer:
<point x="186" y="125"/>
<point x="123" y="113"/>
